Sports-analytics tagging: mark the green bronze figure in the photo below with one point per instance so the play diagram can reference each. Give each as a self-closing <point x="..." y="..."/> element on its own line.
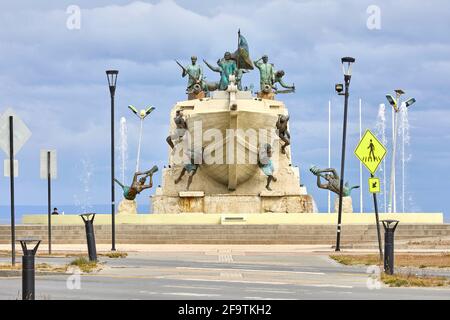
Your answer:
<point x="194" y="71"/>
<point x="278" y="78"/>
<point x="137" y="186"/>
<point x="333" y="181"/>
<point x="180" y="130"/>
<point x="239" y="74"/>
<point x="266" y="71"/>
<point x="282" y="131"/>
<point x="226" y="67"/>
<point x="266" y="165"/>
<point x="191" y="168"/>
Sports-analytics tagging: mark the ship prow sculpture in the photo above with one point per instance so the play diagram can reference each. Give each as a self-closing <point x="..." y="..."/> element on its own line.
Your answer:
<point x="229" y="149"/>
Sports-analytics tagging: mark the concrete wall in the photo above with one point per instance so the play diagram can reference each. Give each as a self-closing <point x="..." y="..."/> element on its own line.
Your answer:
<point x="225" y="234"/>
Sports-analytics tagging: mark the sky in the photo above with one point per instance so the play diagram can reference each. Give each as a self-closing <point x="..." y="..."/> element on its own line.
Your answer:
<point x="52" y="74"/>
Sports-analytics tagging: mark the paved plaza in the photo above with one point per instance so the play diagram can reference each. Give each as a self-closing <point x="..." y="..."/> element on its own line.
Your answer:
<point x="214" y="272"/>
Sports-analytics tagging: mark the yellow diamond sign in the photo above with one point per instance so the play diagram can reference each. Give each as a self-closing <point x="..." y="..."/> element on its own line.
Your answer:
<point x="370" y="151"/>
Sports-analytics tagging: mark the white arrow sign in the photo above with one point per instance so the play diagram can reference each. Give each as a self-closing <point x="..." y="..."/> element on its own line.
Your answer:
<point x="21" y="132"/>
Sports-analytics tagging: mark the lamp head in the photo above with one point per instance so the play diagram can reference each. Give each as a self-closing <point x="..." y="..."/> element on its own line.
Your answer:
<point x="339" y="87"/>
<point x="392" y="101"/>
<point x="410" y="102"/>
<point x="133" y="109"/>
<point x="112" y="77"/>
<point x="149" y="110"/>
<point x="347" y="65"/>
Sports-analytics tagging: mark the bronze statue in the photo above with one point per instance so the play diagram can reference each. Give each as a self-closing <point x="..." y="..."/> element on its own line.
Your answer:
<point x="137" y="186"/>
<point x="191" y="168"/>
<point x="266" y="72"/>
<point x="278" y="78"/>
<point x="226" y="67"/>
<point x="239" y="74"/>
<point x="266" y="165"/>
<point x="194" y="71"/>
<point x="181" y="127"/>
<point x="282" y="131"/>
<point x="333" y="181"/>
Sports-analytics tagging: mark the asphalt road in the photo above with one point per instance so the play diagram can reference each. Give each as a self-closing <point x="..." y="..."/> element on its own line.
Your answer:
<point x="216" y="275"/>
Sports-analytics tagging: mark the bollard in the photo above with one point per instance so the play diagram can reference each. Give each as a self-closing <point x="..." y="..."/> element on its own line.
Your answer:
<point x="389" y="230"/>
<point x="28" y="271"/>
<point x="90" y="236"/>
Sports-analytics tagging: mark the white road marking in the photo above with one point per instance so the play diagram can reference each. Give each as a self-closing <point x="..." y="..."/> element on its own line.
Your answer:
<point x="270" y="291"/>
<point x="231" y="275"/>
<point x="191" y="294"/>
<point x="148" y="292"/>
<point x="226" y="258"/>
<point x="194" y="287"/>
<point x="327" y="286"/>
<point x="251" y="270"/>
<point x="261" y="298"/>
<point x="214" y="280"/>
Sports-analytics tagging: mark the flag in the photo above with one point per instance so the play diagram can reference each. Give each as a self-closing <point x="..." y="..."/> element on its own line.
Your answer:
<point x="242" y="55"/>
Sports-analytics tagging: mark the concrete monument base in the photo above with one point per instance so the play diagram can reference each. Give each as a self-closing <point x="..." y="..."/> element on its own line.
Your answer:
<point x="347" y="204"/>
<point x="265" y="202"/>
<point x="234" y="218"/>
<point x="127" y="207"/>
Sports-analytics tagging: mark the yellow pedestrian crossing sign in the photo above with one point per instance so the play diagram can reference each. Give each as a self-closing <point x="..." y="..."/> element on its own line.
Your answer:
<point x="374" y="185"/>
<point x="370" y="151"/>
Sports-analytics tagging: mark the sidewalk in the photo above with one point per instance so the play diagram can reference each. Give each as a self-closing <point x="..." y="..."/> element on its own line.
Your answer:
<point x="215" y="248"/>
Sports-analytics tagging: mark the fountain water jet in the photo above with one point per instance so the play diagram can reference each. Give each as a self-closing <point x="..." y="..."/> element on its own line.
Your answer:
<point x="405" y="138"/>
<point x="380" y="128"/>
<point x="123" y="147"/>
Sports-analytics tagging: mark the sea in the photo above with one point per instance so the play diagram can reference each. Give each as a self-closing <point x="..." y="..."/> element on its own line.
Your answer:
<point x="21" y="210"/>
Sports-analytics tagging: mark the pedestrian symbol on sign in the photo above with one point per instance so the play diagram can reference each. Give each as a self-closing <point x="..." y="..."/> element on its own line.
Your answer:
<point x="370" y="151"/>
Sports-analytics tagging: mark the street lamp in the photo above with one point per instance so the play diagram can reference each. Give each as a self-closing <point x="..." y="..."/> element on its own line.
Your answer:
<point x="141" y="115"/>
<point x="347" y="70"/>
<point x="396" y="105"/>
<point x="112" y="80"/>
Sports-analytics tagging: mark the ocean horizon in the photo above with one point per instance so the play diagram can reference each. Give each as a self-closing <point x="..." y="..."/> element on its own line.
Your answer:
<point x="21" y="210"/>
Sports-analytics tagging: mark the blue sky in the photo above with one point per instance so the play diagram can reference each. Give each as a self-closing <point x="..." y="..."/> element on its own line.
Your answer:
<point x="54" y="79"/>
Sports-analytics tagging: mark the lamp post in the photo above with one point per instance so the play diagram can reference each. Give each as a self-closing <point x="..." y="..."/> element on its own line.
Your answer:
<point x="142" y="115"/>
<point x="112" y="80"/>
<point x="347" y="70"/>
<point x="396" y="105"/>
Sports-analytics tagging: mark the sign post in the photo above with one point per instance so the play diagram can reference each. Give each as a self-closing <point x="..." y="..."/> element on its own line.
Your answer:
<point x="13" y="135"/>
<point x="371" y="152"/>
<point x="49" y="171"/>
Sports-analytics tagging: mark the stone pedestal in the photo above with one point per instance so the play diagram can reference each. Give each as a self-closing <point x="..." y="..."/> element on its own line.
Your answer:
<point x="127" y="207"/>
<point x="347" y="206"/>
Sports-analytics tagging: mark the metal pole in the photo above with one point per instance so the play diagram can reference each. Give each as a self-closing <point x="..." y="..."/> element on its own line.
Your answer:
<point x="329" y="150"/>
<point x="341" y="185"/>
<point x="389" y="230"/>
<point x="361" y="205"/>
<point x="403" y="110"/>
<point x="375" y="204"/>
<point x="90" y="236"/>
<point x="11" y="179"/>
<point x="28" y="271"/>
<point x="139" y="146"/>
<point x="113" y="205"/>
<point x="49" y="203"/>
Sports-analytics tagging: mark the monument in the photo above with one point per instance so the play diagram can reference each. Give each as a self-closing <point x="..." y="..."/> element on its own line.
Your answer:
<point x="233" y="145"/>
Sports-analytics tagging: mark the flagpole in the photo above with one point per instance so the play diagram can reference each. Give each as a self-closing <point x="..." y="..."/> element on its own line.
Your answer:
<point x="329" y="150"/>
<point x="237" y="60"/>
